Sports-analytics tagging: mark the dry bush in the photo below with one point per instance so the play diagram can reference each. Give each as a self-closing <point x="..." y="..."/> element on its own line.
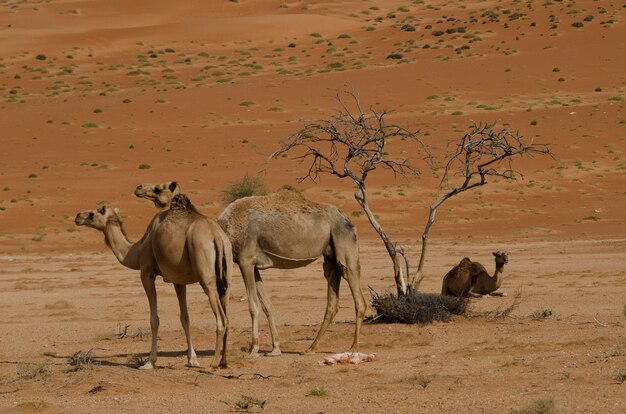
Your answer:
<point x="501" y="313"/>
<point x="247" y="403"/>
<point x="27" y="371"/>
<point x="417" y="307"/>
<point x="81" y="360"/>
<point x="541" y="406"/>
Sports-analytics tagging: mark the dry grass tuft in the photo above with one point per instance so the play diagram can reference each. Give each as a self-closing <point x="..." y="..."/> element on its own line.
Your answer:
<point x="81" y="360"/>
<point x="541" y="406"/>
<point x="247" y="403"/>
<point x="26" y="371"/>
<point x="502" y="313"/>
<point x="418" y="307"/>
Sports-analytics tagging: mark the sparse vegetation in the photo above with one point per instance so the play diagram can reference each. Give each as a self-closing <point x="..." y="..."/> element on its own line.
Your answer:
<point x="541" y="314"/>
<point x="245" y="187"/>
<point x="247" y="402"/>
<point x="541" y="406"/>
<point x="621" y="376"/>
<point x="28" y="371"/>
<point x="81" y="360"/>
<point x="316" y="392"/>
<point x="144" y="166"/>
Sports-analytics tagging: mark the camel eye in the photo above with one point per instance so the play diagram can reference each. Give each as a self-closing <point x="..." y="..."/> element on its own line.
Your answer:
<point x="157" y="190"/>
<point x="90" y="215"/>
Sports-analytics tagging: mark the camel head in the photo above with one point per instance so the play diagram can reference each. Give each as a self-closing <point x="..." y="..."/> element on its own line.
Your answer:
<point x="502" y="258"/>
<point x="159" y="194"/>
<point x="97" y="219"/>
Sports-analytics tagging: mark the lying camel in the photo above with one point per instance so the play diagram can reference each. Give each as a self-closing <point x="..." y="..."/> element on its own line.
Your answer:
<point x="285" y="230"/>
<point x="208" y="261"/>
<point x="471" y="278"/>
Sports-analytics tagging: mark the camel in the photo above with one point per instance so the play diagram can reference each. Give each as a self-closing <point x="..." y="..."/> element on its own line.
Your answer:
<point x="471" y="278"/>
<point x="284" y="230"/>
<point x="205" y="258"/>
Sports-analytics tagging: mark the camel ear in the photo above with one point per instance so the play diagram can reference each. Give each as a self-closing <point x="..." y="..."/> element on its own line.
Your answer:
<point x="173" y="186"/>
<point x="495" y="253"/>
<point x="116" y="210"/>
<point x="102" y="209"/>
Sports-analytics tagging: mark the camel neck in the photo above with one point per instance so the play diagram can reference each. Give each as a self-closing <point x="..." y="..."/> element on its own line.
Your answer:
<point x="125" y="251"/>
<point x="497" y="275"/>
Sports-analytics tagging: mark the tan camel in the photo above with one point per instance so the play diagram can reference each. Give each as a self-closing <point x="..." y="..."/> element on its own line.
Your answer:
<point x="471" y="278"/>
<point x="285" y="230"/>
<point x="216" y="258"/>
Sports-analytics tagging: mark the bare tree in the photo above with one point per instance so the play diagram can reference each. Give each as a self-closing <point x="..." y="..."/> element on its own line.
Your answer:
<point x="481" y="153"/>
<point x="351" y="144"/>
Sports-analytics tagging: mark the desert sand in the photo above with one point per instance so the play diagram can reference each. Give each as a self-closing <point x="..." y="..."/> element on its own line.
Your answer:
<point x="97" y="97"/>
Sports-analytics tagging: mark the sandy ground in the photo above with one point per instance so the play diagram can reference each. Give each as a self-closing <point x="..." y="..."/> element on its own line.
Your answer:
<point x="99" y="96"/>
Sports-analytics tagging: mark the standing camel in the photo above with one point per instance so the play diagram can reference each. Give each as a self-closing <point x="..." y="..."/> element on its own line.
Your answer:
<point x="140" y="256"/>
<point x="472" y="279"/>
<point x="284" y="230"/>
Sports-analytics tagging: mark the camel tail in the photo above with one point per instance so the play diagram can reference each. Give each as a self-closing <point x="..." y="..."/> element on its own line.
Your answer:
<point x="221" y="268"/>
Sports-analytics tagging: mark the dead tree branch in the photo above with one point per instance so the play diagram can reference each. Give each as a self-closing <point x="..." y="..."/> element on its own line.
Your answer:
<point x="352" y="144"/>
<point x="482" y="153"/>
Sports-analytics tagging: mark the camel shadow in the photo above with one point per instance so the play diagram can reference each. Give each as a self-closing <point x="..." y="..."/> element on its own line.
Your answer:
<point x="132" y="360"/>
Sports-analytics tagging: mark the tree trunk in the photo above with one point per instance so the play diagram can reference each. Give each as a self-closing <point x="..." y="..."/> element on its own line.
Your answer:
<point x="399" y="260"/>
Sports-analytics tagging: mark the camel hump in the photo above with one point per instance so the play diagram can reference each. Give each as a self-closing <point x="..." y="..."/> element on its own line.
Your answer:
<point x="287" y="187"/>
<point x="182" y="203"/>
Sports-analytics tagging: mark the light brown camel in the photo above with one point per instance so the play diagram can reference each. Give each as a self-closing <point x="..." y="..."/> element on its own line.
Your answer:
<point x="471" y="278"/>
<point x="285" y="230"/>
<point x="140" y="255"/>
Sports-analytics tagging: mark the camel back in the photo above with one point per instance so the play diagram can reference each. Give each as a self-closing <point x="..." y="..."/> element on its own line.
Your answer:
<point x="285" y="224"/>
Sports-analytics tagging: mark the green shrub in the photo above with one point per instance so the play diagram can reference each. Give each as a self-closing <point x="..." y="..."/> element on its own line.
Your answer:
<point x="542" y="314"/>
<point x="316" y="392"/>
<point x="245" y="187"/>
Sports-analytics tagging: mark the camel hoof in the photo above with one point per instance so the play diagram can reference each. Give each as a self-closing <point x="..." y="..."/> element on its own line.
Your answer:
<point x="147" y="365"/>
<point x="308" y="352"/>
<point x="252" y="355"/>
<point x="193" y="363"/>
<point x="275" y="352"/>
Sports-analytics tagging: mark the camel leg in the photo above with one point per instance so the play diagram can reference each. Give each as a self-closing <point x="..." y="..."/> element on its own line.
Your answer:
<point x="353" y="276"/>
<point x="247" y="271"/>
<point x="224" y="303"/>
<point x="204" y="268"/>
<point x="333" y="277"/>
<point x="147" y="280"/>
<point x="181" y="294"/>
<point x="221" y="322"/>
<point x="266" y="304"/>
